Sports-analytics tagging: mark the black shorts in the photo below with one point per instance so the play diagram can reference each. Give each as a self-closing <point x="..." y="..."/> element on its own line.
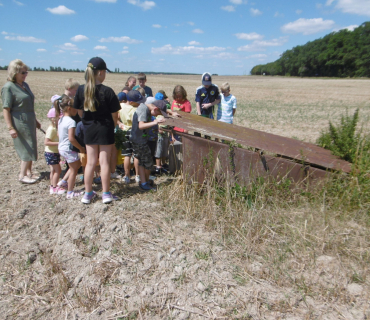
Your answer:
<point x="52" y="158"/>
<point x="142" y="153"/>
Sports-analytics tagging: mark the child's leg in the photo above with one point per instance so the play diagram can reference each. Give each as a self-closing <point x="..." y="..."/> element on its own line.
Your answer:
<point x="127" y="165"/>
<point x="113" y="160"/>
<point x="66" y="176"/>
<point x="92" y="152"/>
<point x="136" y="165"/>
<point x="105" y="162"/>
<point x="73" y="168"/>
<point x="158" y="162"/>
<point x="142" y="174"/>
<point x="147" y="173"/>
<point x="55" y="171"/>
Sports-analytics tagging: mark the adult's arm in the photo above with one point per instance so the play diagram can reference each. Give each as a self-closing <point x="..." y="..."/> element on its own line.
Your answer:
<point x="8" y="120"/>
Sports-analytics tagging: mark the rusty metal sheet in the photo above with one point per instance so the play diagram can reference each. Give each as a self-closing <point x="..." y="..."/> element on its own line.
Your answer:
<point x="281" y="146"/>
<point x="206" y="158"/>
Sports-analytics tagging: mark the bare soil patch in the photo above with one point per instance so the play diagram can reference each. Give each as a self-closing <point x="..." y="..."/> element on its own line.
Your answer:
<point x="145" y="258"/>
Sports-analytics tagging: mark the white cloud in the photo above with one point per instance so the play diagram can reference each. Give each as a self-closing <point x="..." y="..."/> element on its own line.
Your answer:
<point x="225" y="56"/>
<point x="191" y="23"/>
<point x="249" y="36"/>
<point x="260" y="45"/>
<point x="351" y="27"/>
<point x="169" y="49"/>
<point x="25" y="39"/>
<point x="255" y="12"/>
<point x="228" y="8"/>
<point x="318" y="5"/>
<point x="76" y="52"/>
<point x="18" y="3"/>
<point x="59" y="51"/>
<point x="156" y="26"/>
<point x="298" y="11"/>
<point x="278" y="14"/>
<point x="110" y="1"/>
<point x="145" y="5"/>
<point x="123" y="52"/>
<point x="68" y="46"/>
<point x="198" y="31"/>
<point x="104" y="48"/>
<point x="1" y="6"/>
<point x="359" y="7"/>
<point x="124" y="39"/>
<point x="60" y="10"/>
<point x="79" y="38"/>
<point x="329" y="2"/>
<point x="257" y="56"/>
<point x="236" y="1"/>
<point x="153" y="41"/>
<point x="125" y="48"/>
<point x="4" y="32"/>
<point x="193" y="43"/>
<point x="308" y="26"/>
<point x="1" y="49"/>
<point x="41" y="50"/>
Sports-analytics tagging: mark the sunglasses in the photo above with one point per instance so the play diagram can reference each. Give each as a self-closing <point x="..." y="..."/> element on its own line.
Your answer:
<point x="24" y="72"/>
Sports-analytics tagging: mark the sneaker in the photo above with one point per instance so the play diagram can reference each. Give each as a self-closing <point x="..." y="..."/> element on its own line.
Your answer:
<point x="53" y="190"/>
<point x="160" y="171"/>
<point x="61" y="190"/>
<point x="115" y="175"/>
<point x="109" y="197"/>
<point x="165" y="166"/>
<point x="137" y="179"/>
<point x="87" y="198"/>
<point x="63" y="184"/>
<point x="73" y="194"/>
<point x="146" y="186"/>
<point x="126" y="180"/>
<point x="97" y="180"/>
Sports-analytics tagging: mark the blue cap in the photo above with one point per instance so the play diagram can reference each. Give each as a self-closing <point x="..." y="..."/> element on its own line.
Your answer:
<point x="135" y="96"/>
<point x="121" y="96"/>
<point x="159" y="96"/>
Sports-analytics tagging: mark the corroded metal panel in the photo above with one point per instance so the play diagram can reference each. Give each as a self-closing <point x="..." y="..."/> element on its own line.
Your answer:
<point x="303" y="152"/>
<point x="206" y="158"/>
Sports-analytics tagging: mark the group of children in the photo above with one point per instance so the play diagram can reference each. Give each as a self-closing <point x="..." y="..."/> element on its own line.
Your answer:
<point x="84" y="119"/>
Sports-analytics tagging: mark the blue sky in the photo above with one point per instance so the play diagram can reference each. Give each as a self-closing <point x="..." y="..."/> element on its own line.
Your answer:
<point x="227" y="37"/>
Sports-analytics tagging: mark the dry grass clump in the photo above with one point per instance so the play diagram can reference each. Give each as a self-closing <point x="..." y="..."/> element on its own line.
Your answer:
<point x="283" y="235"/>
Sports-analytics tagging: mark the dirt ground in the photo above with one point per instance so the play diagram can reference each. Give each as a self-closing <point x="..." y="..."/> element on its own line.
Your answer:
<point x="133" y="259"/>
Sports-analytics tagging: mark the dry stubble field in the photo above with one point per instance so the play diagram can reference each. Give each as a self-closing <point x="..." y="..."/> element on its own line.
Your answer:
<point x="157" y="256"/>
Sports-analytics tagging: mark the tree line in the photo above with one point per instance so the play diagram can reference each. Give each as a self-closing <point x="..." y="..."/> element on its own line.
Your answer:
<point x="339" y="54"/>
<point x="116" y="70"/>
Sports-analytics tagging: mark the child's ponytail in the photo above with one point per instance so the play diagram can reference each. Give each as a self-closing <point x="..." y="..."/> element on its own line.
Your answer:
<point x="128" y="80"/>
<point x="89" y="91"/>
<point x="57" y="107"/>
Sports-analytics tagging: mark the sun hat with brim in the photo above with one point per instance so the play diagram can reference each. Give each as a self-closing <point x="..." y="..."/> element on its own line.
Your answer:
<point x="98" y="63"/>
<point x="135" y="96"/>
<point x="51" y="114"/>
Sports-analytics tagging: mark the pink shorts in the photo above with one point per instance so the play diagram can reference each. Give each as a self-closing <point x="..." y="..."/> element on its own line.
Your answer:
<point x="70" y="156"/>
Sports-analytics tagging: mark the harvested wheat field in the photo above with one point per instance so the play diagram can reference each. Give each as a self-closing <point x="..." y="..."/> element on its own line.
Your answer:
<point x="267" y="252"/>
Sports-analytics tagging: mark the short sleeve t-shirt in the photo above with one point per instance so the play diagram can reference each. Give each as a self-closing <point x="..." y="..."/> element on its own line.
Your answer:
<point x="126" y="115"/>
<point x="225" y="108"/>
<point x="142" y="114"/>
<point x="207" y="95"/>
<point x="99" y="125"/>
<point x="65" y="123"/>
<point x="52" y="135"/>
<point x="148" y="91"/>
<point x="181" y="106"/>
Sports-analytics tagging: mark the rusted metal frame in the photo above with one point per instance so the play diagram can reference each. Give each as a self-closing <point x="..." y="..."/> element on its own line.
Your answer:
<point x="281" y="146"/>
<point x="247" y="165"/>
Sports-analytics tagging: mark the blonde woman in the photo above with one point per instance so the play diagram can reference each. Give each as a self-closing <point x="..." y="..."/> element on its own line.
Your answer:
<point x="19" y="114"/>
<point x="98" y="108"/>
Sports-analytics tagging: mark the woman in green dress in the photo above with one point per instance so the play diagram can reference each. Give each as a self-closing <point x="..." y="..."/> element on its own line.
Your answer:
<point x="19" y="114"/>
